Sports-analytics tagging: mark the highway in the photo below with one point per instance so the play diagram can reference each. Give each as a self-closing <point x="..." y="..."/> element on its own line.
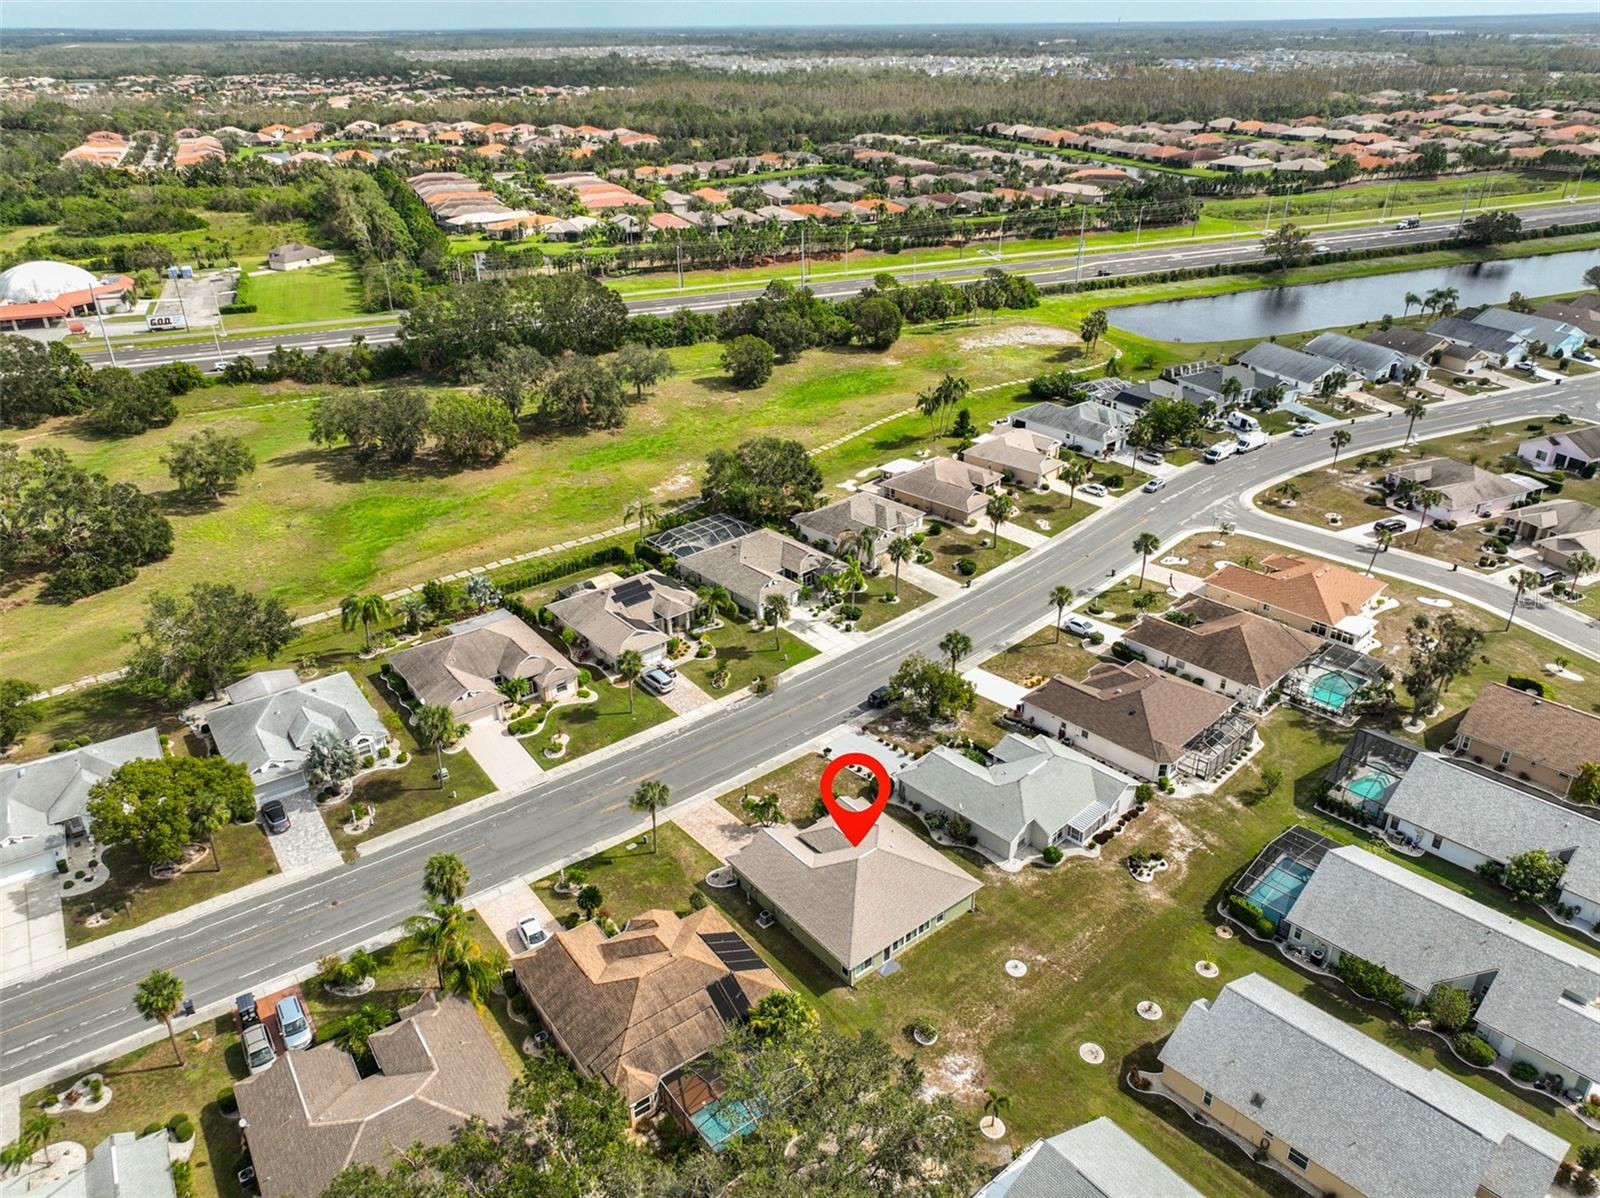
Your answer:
<point x="1064" y="267"/>
<point x="85" y="1008"/>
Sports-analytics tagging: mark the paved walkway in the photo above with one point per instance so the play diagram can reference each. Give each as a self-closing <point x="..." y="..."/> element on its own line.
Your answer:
<point x="718" y="831"/>
<point x="815" y="631"/>
<point x="503" y="908"/>
<point x="33" y="938"/>
<point x="936" y="584"/>
<point x="1029" y="537"/>
<point x="500" y="755"/>
<point x="687" y="696"/>
<point x="308" y="844"/>
<point x="995" y="688"/>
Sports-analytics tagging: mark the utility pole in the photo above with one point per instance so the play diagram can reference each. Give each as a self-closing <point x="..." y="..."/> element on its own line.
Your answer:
<point x="679" y="248"/>
<point x="802" y="255"/>
<point x="388" y="290"/>
<point x="1384" y="215"/>
<point x="95" y="294"/>
<point x="1461" y="220"/>
<point x="1138" y="224"/>
<point x="1002" y="239"/>
<point x="1083" y="225"/>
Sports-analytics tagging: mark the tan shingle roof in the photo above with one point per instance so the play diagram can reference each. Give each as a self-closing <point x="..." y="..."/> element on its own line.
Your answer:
<point x="1228" y="642"/>
<point x="944" y="481"/>
<point x="1141" y="709"/>
<point x="1317" y="590"/>
<point x="1551" y="734"/>
<point x="470" y="659"/>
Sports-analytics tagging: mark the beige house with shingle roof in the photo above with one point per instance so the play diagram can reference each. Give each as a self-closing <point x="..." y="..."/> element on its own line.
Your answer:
<point x="1469" y="492"/>
<point x="1314" y="596"/>
<point x="1522" y="736"/>
<point x="854" y="513"/>
<point x="463" y="670"/>
<point x="853" y="906"/>
<point x="944" y="488"/>
<point x="1230" y="651"/>
<point x="640" y="613"/>
<point x="640" y="1005"/>
<point x="755" y="567"/>
<point x="311" y="1114"/>
<point x="1020" y="455"/>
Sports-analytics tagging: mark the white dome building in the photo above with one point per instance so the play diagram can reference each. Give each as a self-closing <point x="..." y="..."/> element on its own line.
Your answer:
<point x="35" y="282"/>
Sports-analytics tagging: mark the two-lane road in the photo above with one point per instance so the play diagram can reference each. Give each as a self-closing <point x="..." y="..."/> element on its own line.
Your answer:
<point x="85" y="1008"/>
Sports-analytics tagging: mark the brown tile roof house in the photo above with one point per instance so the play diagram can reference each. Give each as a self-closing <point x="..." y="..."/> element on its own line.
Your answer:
<point x="755" y="567"/>
<point x="1320" y="593"/>
<point x="650" y="999"/>
<point x="1244" y="649"/>
<point x="1550" y="742"/>
<point x="1133" y="706"/>
<point x="637" y="613"/>
<point x="854" y="906"/>
<point x="1019" y="454"/>
<point x="461" y="671"/>
<point x="311" y="1113"/>
<point x="944" y="487"/>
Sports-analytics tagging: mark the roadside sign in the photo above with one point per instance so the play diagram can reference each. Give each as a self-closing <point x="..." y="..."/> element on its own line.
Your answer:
<point x="158" y="324"/>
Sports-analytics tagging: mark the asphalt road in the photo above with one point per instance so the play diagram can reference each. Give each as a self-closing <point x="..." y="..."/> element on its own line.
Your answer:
<point x="1058" y="268"/>
<point x="86" y="1007"/>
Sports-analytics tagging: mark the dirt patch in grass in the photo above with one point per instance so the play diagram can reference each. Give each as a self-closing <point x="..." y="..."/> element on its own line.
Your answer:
<point x="1022" y="335"/>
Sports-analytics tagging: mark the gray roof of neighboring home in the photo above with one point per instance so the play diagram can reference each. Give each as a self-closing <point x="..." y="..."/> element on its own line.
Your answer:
<point x="1478" y="336"/>
<point x="1030" y="780"/>
<point x="1410" y="341"/>
<point x="1424" y="933"/>
<point x="1361" y="356"/>
<point x="1558" y="517"/>
<point x="857" y="511"/>
<point x="477" y="652"/>
<point x="1093" y="1160"/>
<point x="280" y="726"/>
<point x="1095" y="421"/>
<point x="1462" y="483"/>
<point x="124" y="1165"/>
<point x="623" y="616"/>
<point x="1395" y="1129"/>
<point x="1587" y="438"/>
<point x="946" y="482"/>
<point x="35" y="796"/>
<point x="1289" y="363"/>
<point x="1527" y="325"/>
<point x="1237" y="645"/>
<point x="1499" y="821"/>
<point x="853" y="900"/>
<point x="755" y="559"/>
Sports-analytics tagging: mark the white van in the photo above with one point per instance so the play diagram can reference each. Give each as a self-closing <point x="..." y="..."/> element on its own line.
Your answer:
<point x="1223" y="449"/>
<point x="1248" y="441"/>
<point x="1242" y="422"/>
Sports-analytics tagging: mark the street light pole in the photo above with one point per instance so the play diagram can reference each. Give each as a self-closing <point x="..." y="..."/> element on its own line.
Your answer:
<point x="101" y="316"/>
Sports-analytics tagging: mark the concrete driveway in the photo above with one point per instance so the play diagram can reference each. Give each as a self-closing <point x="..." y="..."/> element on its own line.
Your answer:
<point x="500" y="755"/>
<point x="501" y="910"/>
<point x="33" y="938"/>
<point x="307" y="844"/>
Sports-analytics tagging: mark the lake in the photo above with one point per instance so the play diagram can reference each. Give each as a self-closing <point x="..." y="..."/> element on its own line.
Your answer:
<point x="1339" y="302"/>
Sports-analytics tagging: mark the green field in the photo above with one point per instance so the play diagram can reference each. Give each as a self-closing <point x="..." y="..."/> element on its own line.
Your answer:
<point x="288" y="297"/>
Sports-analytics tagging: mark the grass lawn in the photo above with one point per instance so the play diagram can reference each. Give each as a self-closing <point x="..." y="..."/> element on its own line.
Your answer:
<point x="1049" y="512"/>
<point x="1120" y="602"/>
<point x="876" y="610"/>
<point x="98" y="712"/>
<point x="1042" y="655"/>
<point x="795" y="785"/>
<point x="950" y="544"/>
<point x="246" y="856"/>
<point x="746" y="655"/>
<point x="595" y="725"/>
<point x="290" y="297"/>
<point x="635" y="879"/>
<point x="980" y="725"/>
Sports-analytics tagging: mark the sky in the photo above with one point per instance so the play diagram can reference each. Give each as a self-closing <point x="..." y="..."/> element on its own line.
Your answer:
<point x="348" y="16"/>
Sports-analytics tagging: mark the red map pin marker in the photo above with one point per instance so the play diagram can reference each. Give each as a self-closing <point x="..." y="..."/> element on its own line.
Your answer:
<point x="855" y="824"/>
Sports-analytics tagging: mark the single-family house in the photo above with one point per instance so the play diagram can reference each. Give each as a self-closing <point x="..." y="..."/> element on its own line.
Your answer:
<point x="125" y="1165"/>
<point x="1574" y="450"/>
<point x="1375" y="363"/>
<point x="756" y="567"/>
<point x="43" y="803"/>
<point x="1090" y="428"/>
<point x="463" y="669"/>
<point x="1563" y="532"/>
<point x="1528" y="737"/>
<point x="1470" y="493"/>
<point x="611" y="616"/>
<point x="1236" y="653"/>
<point x="1534" y="996"/>
<point x="1557" y="336"/>
<point x="1582" y="312"/>
<point x="1030" y="793"/>
<point x="637" y="1007"/>
<point x="1413" y="343"/>
<point x="854" y="907"/>
<point x="1208" y="382"/>
<point x="1023" y="457"/>
<point x="1142" y="721"/>
<point x="855" y="515"/>
<point x="1314" y="596"/>
<point x="1479" y="341"/>
<point x="1291" y="367"/>
<point x="272" y="718"/>
<point x="1261" y="1063"/>
<point x="944" y="488"/>
<point x="312" y="1114"/>
<point x="294" y="256"/>
<point x="1093" y="1160"/>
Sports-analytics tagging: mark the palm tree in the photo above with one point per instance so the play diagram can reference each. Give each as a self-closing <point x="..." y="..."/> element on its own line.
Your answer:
<point x="1524" y="580"/>
<point x="1060" y="596"/>
<point x="652" y="797"/>
<point x="1075" y="473"/>
<point x="1411" y="298"/>
<point x="470" y="970"/>
<point x="436" y="727"/>
<point x="357" y="1028"/>
<point x="643" y="511"/>
<point x="1144" y="545"/>
<point x="1230" y="390"/>
<point x="1447" y="297"/>
<point x="900" y="549"/>
<point x="415" y="611"/>
<point x="775" y="611"/>
<point x="930" y="403"/>
<point x="158" y="998"/>
<point x="1340" y="438"/>
<point x="850" y="579"/>
<point x="715" y="600"/>
<point x="365" y="610"/>
<point x="431" y="933"/>
<point x="629" y="666"/>
<point x="1416" y="410"/>
<point x="955" y="646"/>
<point x="1582" y="564"/>
<point x="1428" y="498"/>
<point x="1288" y="492"/>
<point x="994" y="1104"/>
<point x="999" y="509"/>
<point x="444" y="878"/>
<point x="859" y="544"/>
<point x="1381" y="544"/>
<point x="590" y="900"/>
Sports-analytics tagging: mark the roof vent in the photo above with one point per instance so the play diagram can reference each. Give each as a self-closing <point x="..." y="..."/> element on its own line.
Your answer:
<point x="1257" y="1101"/>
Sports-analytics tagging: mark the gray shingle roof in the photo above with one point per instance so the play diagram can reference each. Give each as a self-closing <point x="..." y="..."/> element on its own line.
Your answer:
<point x="1526" y="325"/>
<point x="278" y="728"/>
<point x="35" y="796"/>
<point x="1233" y="644"/>
<point x="1032" y="780"/>
<point x="856" y="511"/>
<point x="476" y="654"/>
<point x="1384" y="1124"/>
<point x="1496" y="820"/>
<point x="946" y="482"/>
<point x="124" y="1165"/>
<point x="1093" y="1160"/>
<point x="1478" y="336"/>
<point x="1425" y="933"/>
<point x="1360" y="356"/>
<point x="1306" y="369"/>
<point x="1090" y="420"/>
<point x="1463" y="484"/>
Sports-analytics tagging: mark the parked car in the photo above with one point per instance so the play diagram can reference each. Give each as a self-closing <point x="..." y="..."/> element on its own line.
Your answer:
<point x="657" y="681"/>
<point x="1219" y="451"/>
<point x="275" y="816"/>
<point x="880" y="697"/>
<point x="258" y="1051"/>
<point x="245" y="1008"/>
<point x="1102" y="273"/>
<point x="294" y="1025"/>
<point x="1154" y="485"/>
<point x="1304" y="430"/>
<point x="1393" y="524"/>
<point x="1583" y="355"/>
<point x="530" y="932"/>
<point x="1151" y="456"/>
<point x="1525" y="367"/>
<point x="1095" y="489"/>
<point x="1079" y="625"/>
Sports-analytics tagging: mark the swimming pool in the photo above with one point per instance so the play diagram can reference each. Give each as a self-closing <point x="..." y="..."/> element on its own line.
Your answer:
<point x="721" y="1121"/>
<point x="1371" y="783"/>
<point x="1277" y="891"/>
<point x="1333" y="690"/>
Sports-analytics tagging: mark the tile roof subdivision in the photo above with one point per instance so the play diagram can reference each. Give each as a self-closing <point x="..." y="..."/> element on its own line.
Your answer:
<point x="1233" y="644"/>
<point x="1093" y="1160"/>
<point x="477" y="651"/>
<point x="1543" y="991"/>
<point x="1375" y="1119"/>
<point x="649" y="999"/>
<point x="853" y="900"/>
<point x="1548" y="733"/>
<point x="1305" y="586"/>
<point x="1143" y="710"/>
<point x="311" y="1113"/>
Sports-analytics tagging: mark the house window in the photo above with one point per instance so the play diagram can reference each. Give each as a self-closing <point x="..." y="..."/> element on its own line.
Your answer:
<point x="1205" y="1099"/>
<point x="1505" y="758"/>
<point x="1466" y="743"/>
<point x="642" y="1107"/>
<point x="1298" y="1159"/>
<point x="1438" y="840"/>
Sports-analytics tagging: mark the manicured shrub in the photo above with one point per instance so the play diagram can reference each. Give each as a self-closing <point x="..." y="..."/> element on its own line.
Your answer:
<point x="1473" y="1049"/>
<point x="1370" y="980"/>
<point x="967" y="567"/>
<point x="697" y="901"/>
<point x="226" y="1100"/>
<point x="1052" y="854"/>
<point x="181" y="1127"/>
<point x="1532" y="685"/>
<point x="1247" y="912"/>
<point x="1097" y="637"/>
<point x="1449" y="1008"/>
<point x="1525" y="1071"/>
<point x="850" y="611"/>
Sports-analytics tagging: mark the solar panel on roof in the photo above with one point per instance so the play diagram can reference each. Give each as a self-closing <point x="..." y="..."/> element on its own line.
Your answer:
<point x="733" y="951"/>
<point x="728" y="999"/>
<point x="633" y="591"/>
